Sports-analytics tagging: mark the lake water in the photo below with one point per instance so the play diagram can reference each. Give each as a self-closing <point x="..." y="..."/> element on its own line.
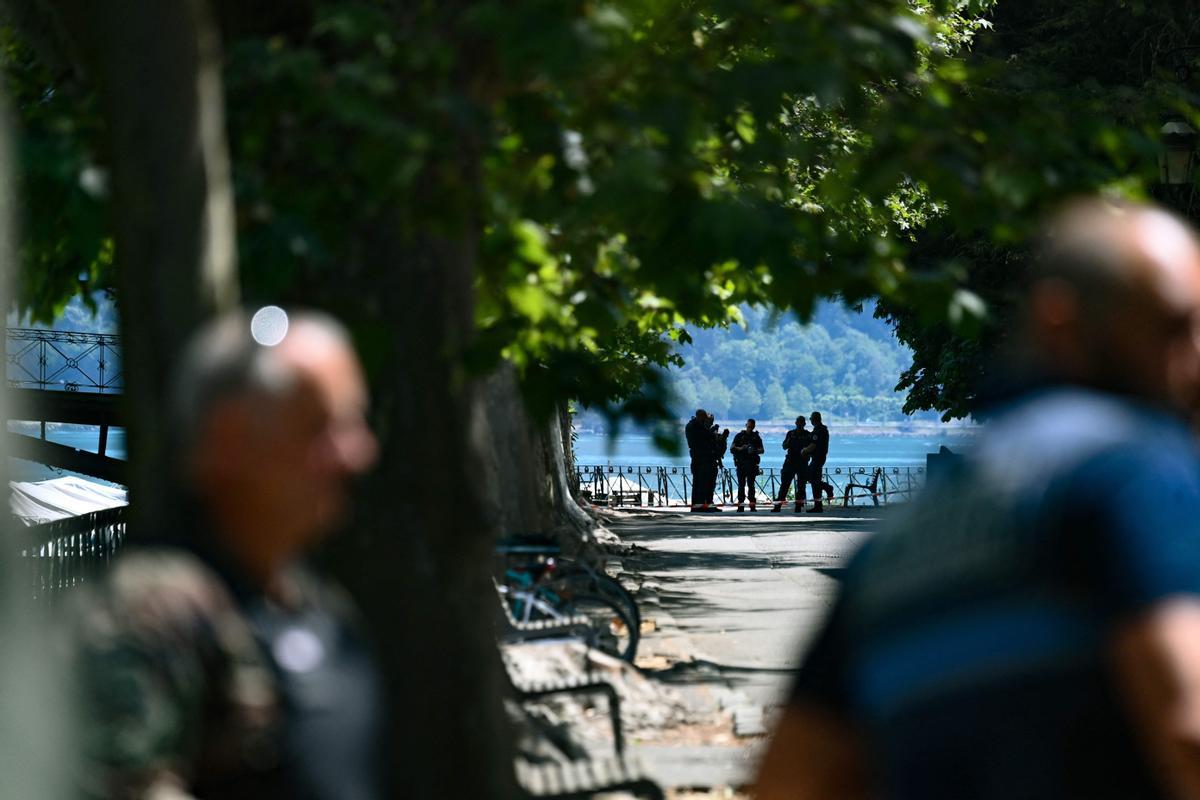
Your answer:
<point x="21" y="470"/>
<point x="597" y="449"/>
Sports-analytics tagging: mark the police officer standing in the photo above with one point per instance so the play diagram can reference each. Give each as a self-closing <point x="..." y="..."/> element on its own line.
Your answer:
<point x="795" y="465"/>
<point x="698" y="437"/>
<point x="718" y="443"/>
<point x="817" y="451"/>
<point x="747" y="447"/>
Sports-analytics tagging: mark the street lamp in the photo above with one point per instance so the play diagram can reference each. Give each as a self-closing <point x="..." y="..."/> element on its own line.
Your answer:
<point x="1177" y="161"/>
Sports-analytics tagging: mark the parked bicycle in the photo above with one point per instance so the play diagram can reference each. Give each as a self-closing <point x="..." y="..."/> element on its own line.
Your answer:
<point x="540" y="583"/>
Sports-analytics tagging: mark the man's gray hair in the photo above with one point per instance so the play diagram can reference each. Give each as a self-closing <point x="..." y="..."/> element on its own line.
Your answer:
<point x="223" y="360"/>
<point x="1088" y="246"/>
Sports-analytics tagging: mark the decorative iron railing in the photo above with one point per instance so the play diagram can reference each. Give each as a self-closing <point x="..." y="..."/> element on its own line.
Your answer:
<point x="61" y="360"/>
<point x="667" y="486"/>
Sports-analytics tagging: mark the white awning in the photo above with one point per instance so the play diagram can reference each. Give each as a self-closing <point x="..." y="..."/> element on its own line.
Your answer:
<point x="46" y="501"/>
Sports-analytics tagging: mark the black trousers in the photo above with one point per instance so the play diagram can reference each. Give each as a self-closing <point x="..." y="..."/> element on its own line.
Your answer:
<point x="710" y="483"/>
<point x="816" y="479"/>
<point x="745" y="476"/>
<point x="793" y="472"/>
<point x="699" y="479"/>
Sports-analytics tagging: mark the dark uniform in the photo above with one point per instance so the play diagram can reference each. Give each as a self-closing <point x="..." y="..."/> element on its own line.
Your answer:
<point x="699" y="442"/>
<point x="795" y="466"/>
<point x="194" y="684"/>
<point x="816" y="467"/>
<point x="747" y="447"/>
<point x="717" y="445"/>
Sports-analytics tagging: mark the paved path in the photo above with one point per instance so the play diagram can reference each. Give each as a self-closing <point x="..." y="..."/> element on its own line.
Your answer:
<point x="739" y="597"/>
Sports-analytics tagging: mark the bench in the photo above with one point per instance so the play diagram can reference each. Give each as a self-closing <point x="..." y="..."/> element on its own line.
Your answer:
<point x="513" y="630"/>
<point x="536" y="691"/>
<point x="579" y="779"/>
<point x="582" y="779"/>
<point x="872" y="488"/>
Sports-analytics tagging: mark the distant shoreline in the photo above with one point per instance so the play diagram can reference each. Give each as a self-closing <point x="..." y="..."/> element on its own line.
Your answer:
<point x="913" y="429"/>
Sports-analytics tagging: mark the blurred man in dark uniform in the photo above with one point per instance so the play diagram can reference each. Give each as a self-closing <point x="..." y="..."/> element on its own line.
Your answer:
<point x="795" y="465"/>
<point x="699" y="442"/>
<point x="1031" y="627"/>
<point x="212" y="663"/>
<point x="817" y="451"/>
<point x="747" y="448"/>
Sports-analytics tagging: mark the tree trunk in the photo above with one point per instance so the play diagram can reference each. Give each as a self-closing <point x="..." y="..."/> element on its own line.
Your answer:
<point x="419" y="559"/>
<point x="157" y="69"/>
<point x="563" y="452"/>
<point x="525" y="483"/>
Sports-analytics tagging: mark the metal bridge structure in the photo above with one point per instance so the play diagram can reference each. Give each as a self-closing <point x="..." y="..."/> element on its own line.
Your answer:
<point x="64" y="377"/>
<point x="670" y="486"/>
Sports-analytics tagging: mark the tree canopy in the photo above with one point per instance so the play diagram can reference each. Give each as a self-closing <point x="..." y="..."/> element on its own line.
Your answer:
<point x="1102" y="78"/>
<point x="642" y="165"/>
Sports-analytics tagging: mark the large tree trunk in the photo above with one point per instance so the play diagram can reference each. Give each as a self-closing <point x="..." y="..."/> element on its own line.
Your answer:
<point x="562" y="451"/>
<point x="525" y="483"/>
<point x="418" y="561"/>
<point x="157" y="69"/>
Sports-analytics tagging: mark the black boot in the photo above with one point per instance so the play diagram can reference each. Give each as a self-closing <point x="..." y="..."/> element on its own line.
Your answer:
<point x="818" y="508"/>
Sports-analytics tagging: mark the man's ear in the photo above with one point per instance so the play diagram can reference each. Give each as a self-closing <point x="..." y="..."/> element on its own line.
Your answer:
<point x="1053" y="305"/>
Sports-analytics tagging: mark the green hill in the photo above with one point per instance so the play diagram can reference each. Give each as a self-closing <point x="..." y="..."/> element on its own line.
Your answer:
<point x="844" y="363"/>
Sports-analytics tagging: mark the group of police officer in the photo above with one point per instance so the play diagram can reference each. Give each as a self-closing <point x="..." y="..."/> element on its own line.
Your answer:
<point x="803" y="465"/>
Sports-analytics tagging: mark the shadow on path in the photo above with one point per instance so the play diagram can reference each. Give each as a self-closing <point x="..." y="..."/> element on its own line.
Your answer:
<point x="703" y="671"/>
<point x="643" y="530"/>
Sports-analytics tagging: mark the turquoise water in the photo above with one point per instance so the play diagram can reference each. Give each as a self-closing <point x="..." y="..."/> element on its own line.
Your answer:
<point x="848" y="450"/>
<point x="21" y="470"/>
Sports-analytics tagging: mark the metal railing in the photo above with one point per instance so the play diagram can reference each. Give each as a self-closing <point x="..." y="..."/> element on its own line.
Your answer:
<point x="68" y="552"/>
<point x="64" y="361"/>
<point x="671" y="486"/>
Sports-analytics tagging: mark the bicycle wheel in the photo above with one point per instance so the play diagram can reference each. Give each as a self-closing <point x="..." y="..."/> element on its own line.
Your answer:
<point x="570" y="581"/>
<point x="615" y="632"/>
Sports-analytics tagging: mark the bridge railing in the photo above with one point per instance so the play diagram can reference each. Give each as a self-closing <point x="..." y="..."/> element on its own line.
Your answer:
<point x="659" y="486"/>
<point x="62" y="360"/>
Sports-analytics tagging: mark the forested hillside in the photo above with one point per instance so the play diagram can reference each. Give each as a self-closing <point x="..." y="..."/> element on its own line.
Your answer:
<point x="845" y="364"/>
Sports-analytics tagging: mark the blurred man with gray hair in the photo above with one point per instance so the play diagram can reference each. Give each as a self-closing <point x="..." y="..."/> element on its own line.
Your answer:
<point x="212" y="663"/>
<point x="1031" y="627"/>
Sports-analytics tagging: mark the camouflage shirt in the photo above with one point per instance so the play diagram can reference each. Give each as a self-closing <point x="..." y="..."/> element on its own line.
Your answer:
<point x="192" y="688"/>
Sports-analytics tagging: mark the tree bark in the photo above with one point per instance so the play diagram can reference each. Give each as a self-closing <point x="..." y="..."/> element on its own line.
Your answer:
<point x="563" y="450"/>
<point x="157" y="70"/>
<point x="526" y="488"/>
<point x="419" y="559"/>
